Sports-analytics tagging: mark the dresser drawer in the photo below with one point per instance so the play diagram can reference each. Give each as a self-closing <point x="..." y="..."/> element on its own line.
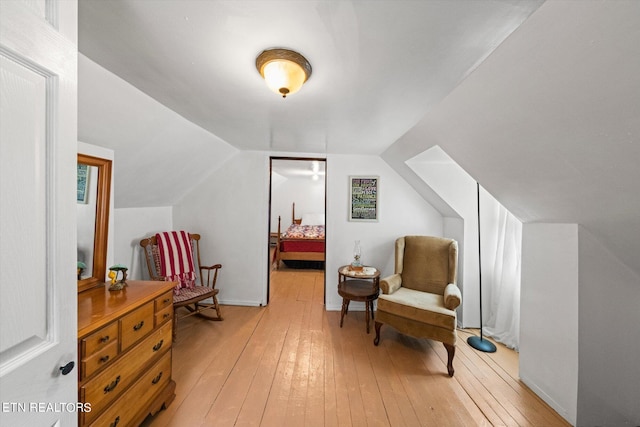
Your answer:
<point x="164" y="301"/>
<point x="98" y="360"/>
<point x="126" y="408"/>
<point x="98" y="340"/>
<point x="164" y="315"/>
<point x="111" y="382"/>
<point x="136" y="325"/>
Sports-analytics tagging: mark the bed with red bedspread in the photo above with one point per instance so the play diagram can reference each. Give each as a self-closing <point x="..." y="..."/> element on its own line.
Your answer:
<point x="300" y="242"/>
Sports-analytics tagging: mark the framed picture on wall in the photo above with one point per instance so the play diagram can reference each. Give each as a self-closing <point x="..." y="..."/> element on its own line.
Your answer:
<point x="83" y="183"/>
<point x="363" y="198"/>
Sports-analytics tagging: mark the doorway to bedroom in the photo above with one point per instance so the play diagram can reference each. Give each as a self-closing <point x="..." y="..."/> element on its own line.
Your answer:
<point x="297" y="201"/>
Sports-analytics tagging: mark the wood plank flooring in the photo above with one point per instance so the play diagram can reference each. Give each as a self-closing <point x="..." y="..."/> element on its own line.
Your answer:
<point x="290" y="364"/>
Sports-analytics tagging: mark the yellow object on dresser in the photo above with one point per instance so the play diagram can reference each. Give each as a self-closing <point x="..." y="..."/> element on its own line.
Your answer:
<point x="124" y="348"/>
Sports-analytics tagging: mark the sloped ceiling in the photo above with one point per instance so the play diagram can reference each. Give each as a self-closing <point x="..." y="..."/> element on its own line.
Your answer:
<point x="378" y="66"/>
<point x="537" y="101"/>
<point x="550" y="122"/>
<point x="159" y="155"/>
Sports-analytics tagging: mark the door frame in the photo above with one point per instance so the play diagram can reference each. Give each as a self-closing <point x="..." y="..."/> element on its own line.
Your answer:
<point x="309" y="159"/>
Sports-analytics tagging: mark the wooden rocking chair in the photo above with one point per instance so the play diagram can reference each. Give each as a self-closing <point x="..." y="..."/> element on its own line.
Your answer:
<point x="191" y="299"/>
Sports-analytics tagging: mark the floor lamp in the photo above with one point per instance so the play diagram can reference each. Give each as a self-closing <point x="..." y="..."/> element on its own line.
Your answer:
<point x="480" y="343"/>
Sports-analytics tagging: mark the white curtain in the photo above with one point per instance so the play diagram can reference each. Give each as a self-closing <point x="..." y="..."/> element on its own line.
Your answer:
<point x="501" y="237"/>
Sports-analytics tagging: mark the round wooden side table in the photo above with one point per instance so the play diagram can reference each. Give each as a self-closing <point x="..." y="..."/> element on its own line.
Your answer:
<point x="358" y="286"/>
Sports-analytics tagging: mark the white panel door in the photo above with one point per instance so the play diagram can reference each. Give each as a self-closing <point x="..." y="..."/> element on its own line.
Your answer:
<point x="38" y="133"/>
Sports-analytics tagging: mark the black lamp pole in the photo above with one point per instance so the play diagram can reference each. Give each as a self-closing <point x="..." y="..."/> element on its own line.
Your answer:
<point x="478" y="342"/>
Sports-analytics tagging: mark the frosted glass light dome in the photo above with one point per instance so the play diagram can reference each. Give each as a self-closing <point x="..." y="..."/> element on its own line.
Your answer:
<point x="284" y="70"/>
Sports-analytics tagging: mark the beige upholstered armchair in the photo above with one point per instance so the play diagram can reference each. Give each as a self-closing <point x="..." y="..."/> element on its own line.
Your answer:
<point x="421" y="297"/>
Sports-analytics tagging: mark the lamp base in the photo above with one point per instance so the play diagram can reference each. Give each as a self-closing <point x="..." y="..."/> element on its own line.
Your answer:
<point x="481" y="344"/>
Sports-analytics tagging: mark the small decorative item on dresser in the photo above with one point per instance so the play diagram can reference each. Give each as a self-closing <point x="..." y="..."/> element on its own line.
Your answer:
<point x="116" y="284"/>
<point x="81" y="267"/>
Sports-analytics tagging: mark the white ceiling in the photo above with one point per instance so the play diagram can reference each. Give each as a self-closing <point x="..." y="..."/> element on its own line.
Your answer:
<point x="549" y="124"/>
<point x="378" y="66"/>
<point x="539" y="102"/>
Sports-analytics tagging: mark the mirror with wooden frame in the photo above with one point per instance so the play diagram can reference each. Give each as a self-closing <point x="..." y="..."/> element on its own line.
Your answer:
<point x="93" y="198"/>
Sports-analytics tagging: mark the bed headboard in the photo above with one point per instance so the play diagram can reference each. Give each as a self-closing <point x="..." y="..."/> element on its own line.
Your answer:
<point x="295" y="220"/>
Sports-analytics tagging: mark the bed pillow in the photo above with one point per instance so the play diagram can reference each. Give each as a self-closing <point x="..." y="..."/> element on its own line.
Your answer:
<point x="313" y="219"/>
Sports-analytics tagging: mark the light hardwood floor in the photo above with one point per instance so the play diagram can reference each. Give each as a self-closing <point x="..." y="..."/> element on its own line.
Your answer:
<point x="290" y="364"/>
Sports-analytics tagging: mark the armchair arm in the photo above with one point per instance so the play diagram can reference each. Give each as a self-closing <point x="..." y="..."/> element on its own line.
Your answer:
<point x="391" y="284"/>
<point x="452" y="296"/>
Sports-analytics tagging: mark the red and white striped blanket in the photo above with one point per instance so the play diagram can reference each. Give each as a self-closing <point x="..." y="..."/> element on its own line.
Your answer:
<point x="176" y="259"/>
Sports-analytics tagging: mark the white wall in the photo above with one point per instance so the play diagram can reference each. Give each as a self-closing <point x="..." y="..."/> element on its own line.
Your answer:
<point x="132" y="225"/>
<point x="580" y="328"/>
<point x="230" y="210"/>
<point x="549" y="314"/>
<point x="159" y="150"/>
<point x="105" y="153"/>
<point x="307" y="194"/>
<point x="609" y="338"/>
<point x="401" y="212"/>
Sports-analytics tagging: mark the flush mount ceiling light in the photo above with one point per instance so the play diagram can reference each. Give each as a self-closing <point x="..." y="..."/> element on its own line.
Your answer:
<point x="284" y="70"/>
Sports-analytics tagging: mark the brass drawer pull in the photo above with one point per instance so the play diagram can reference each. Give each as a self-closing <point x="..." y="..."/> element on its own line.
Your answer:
<point x="166" y="301"/>
<point x="138" y="326"/>
<point x="158" y="346"/>
<point x="166" y="316"/>
<point x="104" y="339"/>
<point x="112" y="386"/>
<point x="156" y="380"/>
<point x="115" y="422"/>
<point x="104" y="359"/>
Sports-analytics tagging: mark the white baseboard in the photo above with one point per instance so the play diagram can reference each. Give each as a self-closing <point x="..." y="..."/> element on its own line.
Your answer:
<point x="332" y="307"/>
<point x="240" y="302"/>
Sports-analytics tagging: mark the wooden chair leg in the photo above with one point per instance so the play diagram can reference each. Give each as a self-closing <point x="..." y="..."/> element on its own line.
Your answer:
<point x="366" y="314"/>
<point x="217" y="306"/>
<point x="376" y="340"/>
<point x="451" y="351"/>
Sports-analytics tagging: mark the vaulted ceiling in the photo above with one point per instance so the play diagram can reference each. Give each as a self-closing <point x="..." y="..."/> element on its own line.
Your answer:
<point x="549" y="124"/>
<point x="378" y="66"/>
<point x="537" y="101"/>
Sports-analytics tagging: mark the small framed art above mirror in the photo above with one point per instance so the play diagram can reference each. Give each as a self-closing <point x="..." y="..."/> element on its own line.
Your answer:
<point x="93" y="201"/>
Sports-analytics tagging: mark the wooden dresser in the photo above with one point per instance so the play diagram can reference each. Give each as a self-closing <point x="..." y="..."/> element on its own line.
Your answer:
<point x="124" y="349"/>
